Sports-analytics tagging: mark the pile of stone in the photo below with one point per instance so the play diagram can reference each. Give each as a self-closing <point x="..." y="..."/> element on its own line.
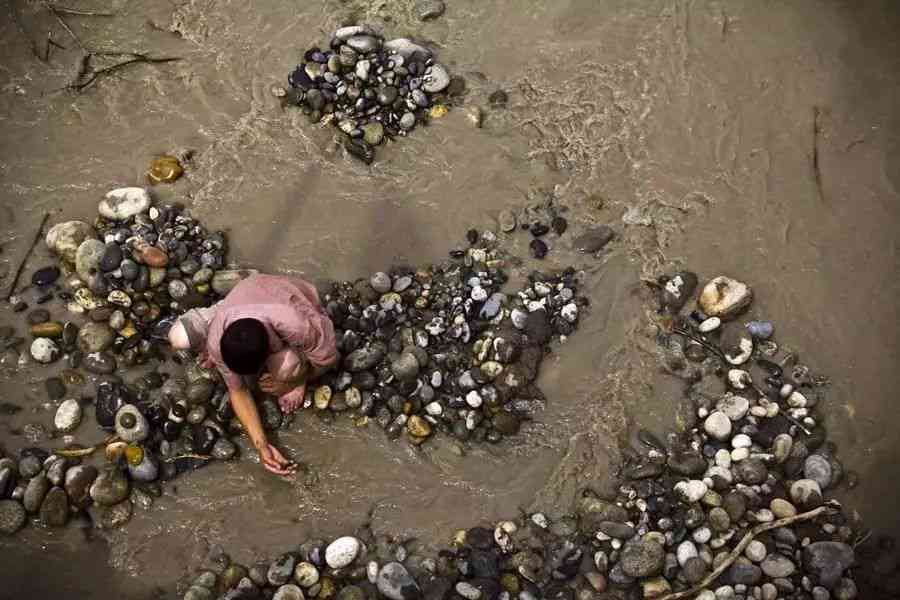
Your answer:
<point x="371" y="89"/>
<point x="443" y="348"/>
<point x="732" y="508"/>
<point x="127" y="277"/>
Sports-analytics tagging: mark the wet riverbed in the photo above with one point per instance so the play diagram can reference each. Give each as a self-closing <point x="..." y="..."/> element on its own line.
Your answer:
<point x="757" y="140"/>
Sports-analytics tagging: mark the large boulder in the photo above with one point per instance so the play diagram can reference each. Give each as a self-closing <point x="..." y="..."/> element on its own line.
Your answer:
<point x="63" y="239"/>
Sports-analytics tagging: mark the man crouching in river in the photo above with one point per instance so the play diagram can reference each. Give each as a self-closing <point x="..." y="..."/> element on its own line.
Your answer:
<point x="268" y="329"/>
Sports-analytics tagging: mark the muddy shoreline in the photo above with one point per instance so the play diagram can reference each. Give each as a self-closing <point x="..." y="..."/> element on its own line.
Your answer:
<point x="696" y="119"/>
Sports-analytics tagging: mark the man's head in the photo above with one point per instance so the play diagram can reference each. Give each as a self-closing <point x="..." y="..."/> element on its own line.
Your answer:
<point x="245" y="346"/>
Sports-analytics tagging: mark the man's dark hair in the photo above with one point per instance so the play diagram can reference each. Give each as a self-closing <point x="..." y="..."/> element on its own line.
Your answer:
<point x="245" y="346"/>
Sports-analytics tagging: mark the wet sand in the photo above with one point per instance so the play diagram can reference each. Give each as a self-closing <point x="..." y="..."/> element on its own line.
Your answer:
<point x="757" y="141"/>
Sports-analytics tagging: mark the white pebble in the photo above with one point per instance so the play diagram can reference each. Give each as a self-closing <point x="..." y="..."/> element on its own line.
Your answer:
<point x="341" y="552"/>
<point x="702" y="535"/>
<point x="710" y="324"/>
<point x="473" y="399"/>
<point x="739" y="454"/>
<point x="796" y="400"/>
<point x="756" y="551"/>
<point x="686" y="550"/>
<point x="718" y="425"/>
<point x="741" y="440"/>
<point x="723" y="458"/>
<point x="691" y="491"/>
<point x="569" y="312"/>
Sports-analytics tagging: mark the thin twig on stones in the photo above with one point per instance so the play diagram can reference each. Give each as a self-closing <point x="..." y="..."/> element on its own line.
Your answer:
<point x="742" y="545"/>
<point x="91" y="76"/>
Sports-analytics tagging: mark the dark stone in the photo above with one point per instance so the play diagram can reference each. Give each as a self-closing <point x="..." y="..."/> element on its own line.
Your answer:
<point x="45" y="276"/>
<point x="752" y="471"/>
<point x="688" y="464"/>
<point x="678" y="290"/>
<point x="743" y="572"/>
<point x="537" y="327"/>
<point x="614" y="529"/>
<point x="594" y="239"/>
<point x="112" y="257"/>
<point x="38" y="316"/>
<point x="538" y="248"/>
<point x="559" y="225"/>
<point x="642" y="558"/>
<point x="360" y="149"/>
<point x="55" y="508"/>
<point x="484" y="563"/>
<point x="110" y="398"/>
<point x="826" y="561"/>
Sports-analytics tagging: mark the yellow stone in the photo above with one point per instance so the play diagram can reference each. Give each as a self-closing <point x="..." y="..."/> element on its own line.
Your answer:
<point x="164" y="169"/>
<point x="421" y="302"/>
<point x="322" y="397"/>
<point x="655" y="588"/>
<point x="418" y="427"/>
<point x="50" y="329"/>
<point x="128" y="330"/>
<point x="87" y="300"/>
<point x="134" y="455"/>
<point x="459" y="538"/>
<point x="437" y="111"/>
<point x="203" y="288"/>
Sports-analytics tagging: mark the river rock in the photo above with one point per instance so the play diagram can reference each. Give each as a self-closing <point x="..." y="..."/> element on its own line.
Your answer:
<point x="111" y="487"/>
<point x="677" y="290"/>
<point x="122" y="203"/>
<point x="406" y="48"/>
<point x="594" y="240"/>
<point x="437" y="79"/>
<point x="430" y="9"/>
<point x="306" y="574"/>
<point x="12" y="517"/>
<point x="642" y="558"/>
<point x="806" y="493"/>
<point x="37" y="488"/>
<point x="395" y="582"/>
<point x="224" y="281"/>
<point x="64" y="238"/>
<point x="87" y="258"/>
<point x="380" y="282"/>
<point x="281" y="570"/>
<point x="341" y="552"/>
<point x="818" y="469"/>
<point x="405" y="367"/>
<point x="223" y="449"/>
<point x="691" y="491"/>
<point x="100" y="363"/>
<point x="68" y="416"/>
<point x="718" y="425"/>
<point x="78" y="483"/>
<point x="288" y="591"/>
<point x="55" y="508"/>
<point x="131" y="425"/>
<point x="365" y="358"/>
<point x="44" y="350"/>
<point x="826" y="561"/>
<point x="725" y="297"/>
<point x="778" y="566"/>
<point x="95" y="337"/>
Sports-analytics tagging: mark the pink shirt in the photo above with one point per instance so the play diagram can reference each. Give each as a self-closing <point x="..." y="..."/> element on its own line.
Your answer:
<point x="287" y="307"/>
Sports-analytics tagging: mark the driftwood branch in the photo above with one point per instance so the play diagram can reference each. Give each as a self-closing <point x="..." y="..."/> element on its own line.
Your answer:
<point x="37" y="238"/>
<point x="87" y="76"/>
<point x="57" y="14"/>
<point x="742" y="545"/>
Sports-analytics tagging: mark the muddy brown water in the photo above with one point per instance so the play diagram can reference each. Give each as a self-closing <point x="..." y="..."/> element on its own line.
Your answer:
<point x="756" y="139"/>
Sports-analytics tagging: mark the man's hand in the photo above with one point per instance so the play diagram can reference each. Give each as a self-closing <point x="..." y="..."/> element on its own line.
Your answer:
<point x="274" y="461"/>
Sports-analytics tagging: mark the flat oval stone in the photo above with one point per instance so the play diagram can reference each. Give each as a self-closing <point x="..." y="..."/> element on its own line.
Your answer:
<point x="122" y="203"/>
<point x="12" y="517"/>
<point x="437" y="79"/>
<point x="341" y="552"/>
<point x="68" y="416"/>
<point x="45" y="276"/>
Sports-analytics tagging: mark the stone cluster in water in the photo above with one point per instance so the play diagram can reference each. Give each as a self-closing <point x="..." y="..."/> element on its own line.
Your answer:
<point x="754" y="455"/>
<point x="128" y="276"/>
<point x="370" y="88"/>
<point x="442" y="348"/>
